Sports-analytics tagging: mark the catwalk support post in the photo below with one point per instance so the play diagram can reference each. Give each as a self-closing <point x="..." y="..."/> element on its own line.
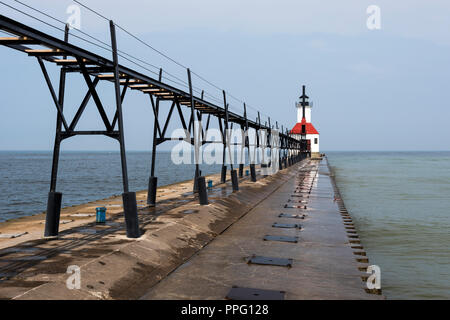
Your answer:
<point x="201" y="184"/>
<point x="234" y="178"/>
<point x="55" y="198"/>
<point x="129" y="198"/>
<point x="153" y="180"/>
<point x="223" y="173"/>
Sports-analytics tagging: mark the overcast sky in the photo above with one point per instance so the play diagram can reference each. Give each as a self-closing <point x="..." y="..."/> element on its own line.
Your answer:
<point x="384" y="89"/>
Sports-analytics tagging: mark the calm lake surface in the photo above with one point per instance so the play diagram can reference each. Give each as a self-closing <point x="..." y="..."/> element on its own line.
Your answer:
<point x="400" y="202"/>
<point x="82" y="177"/>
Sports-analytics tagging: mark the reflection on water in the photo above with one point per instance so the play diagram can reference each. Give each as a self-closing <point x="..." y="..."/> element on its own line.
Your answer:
<point x="401" y="206"/>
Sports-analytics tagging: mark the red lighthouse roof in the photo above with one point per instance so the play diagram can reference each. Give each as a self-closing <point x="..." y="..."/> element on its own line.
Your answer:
<point x="309" y="128"/>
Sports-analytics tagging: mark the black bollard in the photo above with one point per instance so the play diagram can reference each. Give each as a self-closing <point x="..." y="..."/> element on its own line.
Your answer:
<point x="131" y="216"/>
<point x="202" y="191"/>
<point x="241" y="170"/>
<point x="253" y="172"/>
<point x="223" y="176"/>
<point x="151" y="192"/>
<point x="53" y="213"/>
<point x="234" y="180"/>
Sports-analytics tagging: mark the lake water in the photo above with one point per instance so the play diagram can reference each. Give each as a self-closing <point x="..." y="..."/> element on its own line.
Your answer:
<point x="82" y="177"/>
<point x="400" y="202"/>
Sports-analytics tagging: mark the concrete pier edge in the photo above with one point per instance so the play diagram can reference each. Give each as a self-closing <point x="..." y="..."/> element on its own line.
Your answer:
<point x="358" y="249"/>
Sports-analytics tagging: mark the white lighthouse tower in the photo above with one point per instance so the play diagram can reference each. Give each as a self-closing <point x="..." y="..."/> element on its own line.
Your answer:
<point x="304" y="128"/>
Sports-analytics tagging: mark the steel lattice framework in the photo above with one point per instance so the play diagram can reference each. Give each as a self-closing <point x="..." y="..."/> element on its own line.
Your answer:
<point x="94" y="69"/>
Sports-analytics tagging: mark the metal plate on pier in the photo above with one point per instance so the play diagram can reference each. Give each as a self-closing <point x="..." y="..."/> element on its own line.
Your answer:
<point x="286" y="225"/>
<point x="282" y="262"/>
<point x="281" y="239"/>
<point x="293" y="216"/>
<point x="297" y="201"/>
<point x="294" y="207"/>
<point x="237" y="293"/>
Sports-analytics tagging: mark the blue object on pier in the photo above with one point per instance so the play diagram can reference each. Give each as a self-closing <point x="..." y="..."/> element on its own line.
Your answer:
<point x="247" y="173"/>
<point x="101" y="214"/>
<point x="210" y="183"/>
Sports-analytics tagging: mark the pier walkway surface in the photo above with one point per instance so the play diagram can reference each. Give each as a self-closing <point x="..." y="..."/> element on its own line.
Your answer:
<point x="188" y="251"/>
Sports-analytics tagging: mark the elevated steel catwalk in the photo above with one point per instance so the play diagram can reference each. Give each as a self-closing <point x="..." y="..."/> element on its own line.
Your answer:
<point x="71" y="58"/>
<point x="54" y="49"/>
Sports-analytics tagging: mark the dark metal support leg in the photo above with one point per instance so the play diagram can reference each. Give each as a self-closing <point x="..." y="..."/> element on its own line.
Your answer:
<point x="202" y="191"/>
<point x="151" y="193"/>
<point x="53" y="214"/>
<point x="197" y="175"/>
<point x="234" y="180"/>
<point x="253" y="172"/>
<point x="55" y="198"/>
<point x="131" y="215"/>
<point x="223" y="176"/>
<point x="129" y="198"/>
<point x="153" y="181"/>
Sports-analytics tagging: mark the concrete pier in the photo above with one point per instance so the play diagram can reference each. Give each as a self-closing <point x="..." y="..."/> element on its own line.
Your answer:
<point x="324" y="264"/>
<point x="188" y="251"/>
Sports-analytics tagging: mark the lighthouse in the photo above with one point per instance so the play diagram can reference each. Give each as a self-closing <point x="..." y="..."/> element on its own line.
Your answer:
<point x="304" y="129"/>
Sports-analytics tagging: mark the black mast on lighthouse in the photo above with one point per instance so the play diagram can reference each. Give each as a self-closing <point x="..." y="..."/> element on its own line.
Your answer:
<point x="304" y="103"/>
